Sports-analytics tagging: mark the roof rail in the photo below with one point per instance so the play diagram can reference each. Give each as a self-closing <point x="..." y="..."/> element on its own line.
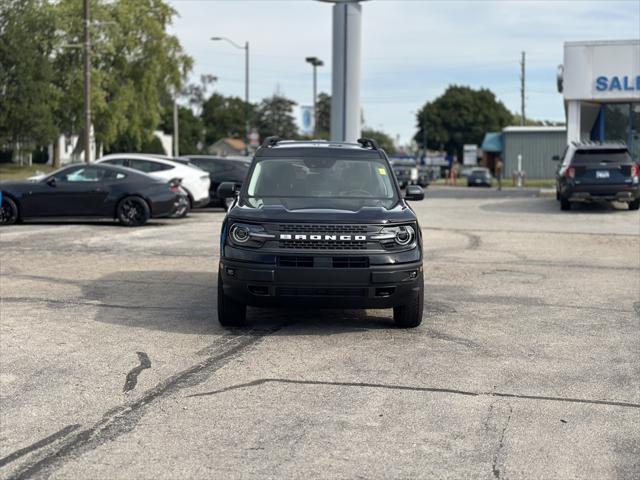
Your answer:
<point x="369" y="143"/>
<point x="270" y="142"/>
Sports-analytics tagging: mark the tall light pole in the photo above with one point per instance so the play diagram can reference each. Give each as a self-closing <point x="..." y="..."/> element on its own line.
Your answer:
<point x="315" y="63"/>
<point x="87" y="83"/>
<point x="246" y="86"/>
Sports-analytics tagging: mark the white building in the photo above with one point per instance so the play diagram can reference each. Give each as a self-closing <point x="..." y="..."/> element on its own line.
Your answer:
<point x="600" y="82"/>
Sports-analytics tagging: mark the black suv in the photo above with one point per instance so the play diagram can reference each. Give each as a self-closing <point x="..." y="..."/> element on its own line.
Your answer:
<point x="320" y="224"/>
<point x="597" y="171"/>
<point x="220" y="169"/>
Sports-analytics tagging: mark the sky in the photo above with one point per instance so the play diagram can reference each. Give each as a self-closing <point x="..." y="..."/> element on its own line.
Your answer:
<point x="411" y="49"/>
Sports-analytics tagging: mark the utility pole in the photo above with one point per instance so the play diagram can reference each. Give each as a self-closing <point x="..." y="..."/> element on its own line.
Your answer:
<point x="315" y="62"/>
<point x="246" y="86"/>
<point x="87" y="84"/>
<point x="522" y="90"/>
<point x="176" y="136"/>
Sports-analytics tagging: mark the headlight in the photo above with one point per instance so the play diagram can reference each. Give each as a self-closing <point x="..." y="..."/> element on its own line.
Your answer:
<point x="393" y="237"/>
<point x="247" y="235"/>
<point x="240" y="234"/>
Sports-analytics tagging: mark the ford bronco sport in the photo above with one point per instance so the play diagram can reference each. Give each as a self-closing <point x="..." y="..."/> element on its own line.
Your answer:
<point x="320" y="224"/>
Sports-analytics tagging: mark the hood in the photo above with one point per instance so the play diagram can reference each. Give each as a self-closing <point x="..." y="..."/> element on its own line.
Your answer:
<point x="279" y="213"/>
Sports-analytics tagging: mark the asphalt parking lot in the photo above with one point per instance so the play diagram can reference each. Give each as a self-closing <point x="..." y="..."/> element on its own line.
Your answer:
<point x="527" y="364"/>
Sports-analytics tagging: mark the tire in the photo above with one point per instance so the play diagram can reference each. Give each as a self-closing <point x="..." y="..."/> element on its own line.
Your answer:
<point x="410" y="314"/>
<point x="230" y="312"/>
<point x="557" y="194"/>
<point x="133" y="212"/>
<point x="565" y="204"/>
<point x="635" y="204"/>
<point x="183" y="209"/>
<point x="9" y="213"/>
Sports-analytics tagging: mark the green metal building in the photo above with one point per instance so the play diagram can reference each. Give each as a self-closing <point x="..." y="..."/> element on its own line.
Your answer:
<point x="537" y="145"/>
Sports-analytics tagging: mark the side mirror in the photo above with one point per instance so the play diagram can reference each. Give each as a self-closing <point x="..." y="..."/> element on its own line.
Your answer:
<point x="414" y="192"/>
<point x="52" y="182"/>
<point x="555" y="158"/>
<point x="226" y="190"/>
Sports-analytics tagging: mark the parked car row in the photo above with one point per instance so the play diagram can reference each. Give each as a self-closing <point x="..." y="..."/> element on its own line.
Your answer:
<point x="129" y="188"/>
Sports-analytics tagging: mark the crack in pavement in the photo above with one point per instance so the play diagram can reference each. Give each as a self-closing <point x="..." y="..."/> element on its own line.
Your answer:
<point x="124" y="418"/>
<point x="263" y="381"/>
<point x="495" y="468"/>
<point x="39" y="444"/>
<point x="132" y="377"/>
<point x="75" y="303"/>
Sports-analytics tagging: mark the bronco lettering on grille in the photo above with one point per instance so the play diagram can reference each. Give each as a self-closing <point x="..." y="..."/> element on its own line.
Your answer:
<point x="336" y="238"/>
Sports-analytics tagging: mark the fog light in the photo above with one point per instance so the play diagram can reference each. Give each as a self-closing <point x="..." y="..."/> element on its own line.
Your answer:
<point x="413" y="275"/>
<point x="231" y="272"/>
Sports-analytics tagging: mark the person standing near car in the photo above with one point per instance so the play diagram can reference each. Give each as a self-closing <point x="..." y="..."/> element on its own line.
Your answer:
<point x="498" y="171"/>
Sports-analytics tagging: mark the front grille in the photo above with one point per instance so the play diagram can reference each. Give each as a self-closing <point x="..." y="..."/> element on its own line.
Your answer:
<point x="320" y="292"/>
<point x="350" y="262"/>
<point x="294" y="261"/>
<point x="311" y="228"/>
<point x="323" y="245"/>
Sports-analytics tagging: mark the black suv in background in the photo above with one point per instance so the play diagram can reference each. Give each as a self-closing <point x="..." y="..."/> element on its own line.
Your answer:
<point x="220" y="169"/>
<point x="320" y="224"/>
<point x="597" y="171"/>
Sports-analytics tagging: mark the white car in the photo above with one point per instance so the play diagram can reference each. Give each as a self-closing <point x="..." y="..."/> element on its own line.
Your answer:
<point x="194" y="180"/>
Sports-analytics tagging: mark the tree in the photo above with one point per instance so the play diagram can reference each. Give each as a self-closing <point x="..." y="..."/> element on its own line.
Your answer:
<point x="384" y="140"/>
<point x="134" y="63"/>
<point x="323" y="115"/>
<point x="460" y="116"/>
<point x="190" y="129"/>
<point x="27" y="33"/>
<point x="224" y="117"/>
<point x="274" y="117"/>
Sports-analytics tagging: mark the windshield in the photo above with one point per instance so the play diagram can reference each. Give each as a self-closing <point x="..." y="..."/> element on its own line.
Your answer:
<point x="588" y="157"/>
<point x="321" y="183"/>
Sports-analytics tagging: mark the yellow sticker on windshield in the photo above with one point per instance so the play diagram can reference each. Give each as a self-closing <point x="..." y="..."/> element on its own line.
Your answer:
<point x="382" y="171"/>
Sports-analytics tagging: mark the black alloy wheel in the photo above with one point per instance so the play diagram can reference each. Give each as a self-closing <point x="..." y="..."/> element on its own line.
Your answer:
<point x="8" y="211"/>
<point x="133" y="212"/>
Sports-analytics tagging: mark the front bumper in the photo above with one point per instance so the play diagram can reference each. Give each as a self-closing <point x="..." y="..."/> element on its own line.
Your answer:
<point x="593" y="193"/>
<point x="271" y="284"/>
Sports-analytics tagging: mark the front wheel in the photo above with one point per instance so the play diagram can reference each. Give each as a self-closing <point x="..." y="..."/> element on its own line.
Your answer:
<point x="410" y="314"/>
<point x="635" y="204"/>
<point x="565" y="204"/>
<point x="230" y="312"/>
<point x="8" y="211"/>
<point x="133" y="212"/>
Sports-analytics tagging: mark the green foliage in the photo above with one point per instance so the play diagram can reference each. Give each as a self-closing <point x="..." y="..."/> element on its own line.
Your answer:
<point x="460" y="116"/>
<point x="384" y="140"/>
<point x="224" y="117"/>
<point x="189" y="129"/>
<point x="324" y="115"/>
<point x="530" y="122"/>
<point x="126" y="144"/>
<point x="134" y="64"/>
<point x="27" y="33"/>
<point x="274" y="116"/>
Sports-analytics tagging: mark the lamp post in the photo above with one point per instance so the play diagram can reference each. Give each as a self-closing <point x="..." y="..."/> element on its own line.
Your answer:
<point x="246" y="86"/>
<point x="315" y="63"/>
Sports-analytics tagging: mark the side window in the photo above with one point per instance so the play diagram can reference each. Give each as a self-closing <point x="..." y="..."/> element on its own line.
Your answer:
<point x="141" y="165"/>
<point x="84" y="174"/>
<point x="115" y="161"/>
<point x="160" y="167"/>
<point x="111" y="175"/>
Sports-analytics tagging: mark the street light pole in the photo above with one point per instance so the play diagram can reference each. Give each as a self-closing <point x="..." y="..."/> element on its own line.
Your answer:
<point x="87" y="84"/>
<point x="315" y="62"/>
<point x="246" y="86"/>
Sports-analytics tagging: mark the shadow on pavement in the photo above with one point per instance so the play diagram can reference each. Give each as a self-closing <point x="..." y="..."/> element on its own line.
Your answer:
<point x="185" y="302"/>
